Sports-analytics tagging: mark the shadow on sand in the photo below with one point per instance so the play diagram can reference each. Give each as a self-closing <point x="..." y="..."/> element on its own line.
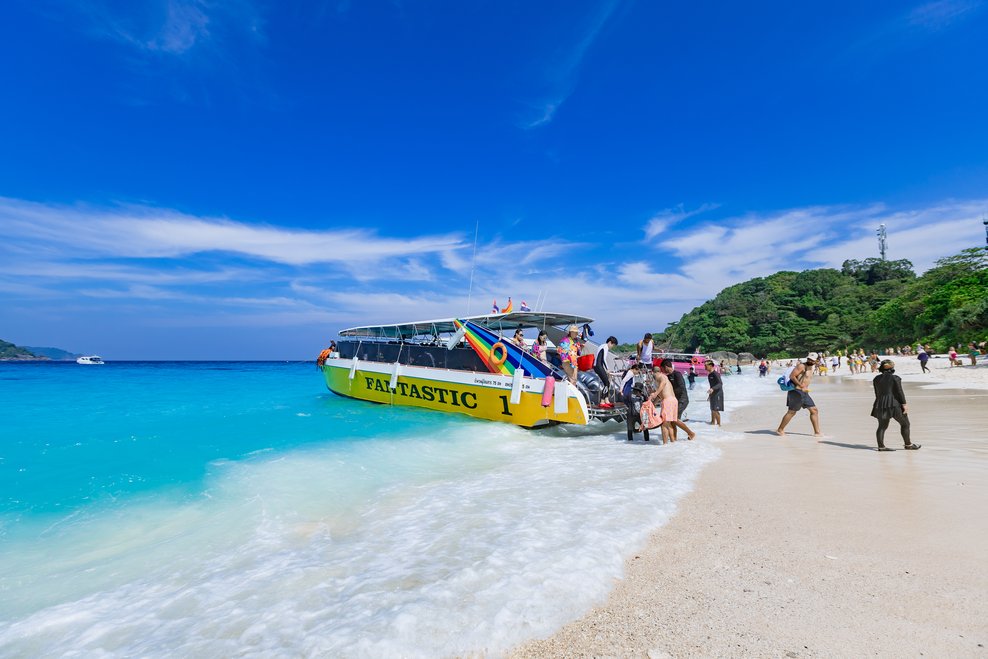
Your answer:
<point x="842" y="445"/>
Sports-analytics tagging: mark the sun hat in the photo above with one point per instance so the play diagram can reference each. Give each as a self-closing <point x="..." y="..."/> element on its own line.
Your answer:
<point x="572" y="328"/>
<point x="814" y="356"/>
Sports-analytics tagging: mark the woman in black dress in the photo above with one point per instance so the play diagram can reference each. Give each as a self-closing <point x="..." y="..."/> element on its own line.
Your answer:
<point x="890" y="403"/>
<point x="715" y="394"/>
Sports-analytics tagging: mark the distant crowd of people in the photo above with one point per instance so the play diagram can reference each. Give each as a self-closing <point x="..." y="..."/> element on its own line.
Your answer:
<point x="657" y="395"/>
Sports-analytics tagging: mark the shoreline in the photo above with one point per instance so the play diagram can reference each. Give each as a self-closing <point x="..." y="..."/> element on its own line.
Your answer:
<point x="792" y="547"/>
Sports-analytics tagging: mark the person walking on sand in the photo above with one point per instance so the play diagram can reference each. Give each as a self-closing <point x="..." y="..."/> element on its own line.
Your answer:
<point x="890" y="403"/>
<point x="799" y="398"/>
<point x="715" y="394"/>
<point x="691" y="376"/>
<point x="923" y="357"/>
<point x="669" y="411"/>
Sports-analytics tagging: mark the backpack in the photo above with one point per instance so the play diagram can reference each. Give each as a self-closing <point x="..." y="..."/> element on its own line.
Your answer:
<point x="784" y="382"/>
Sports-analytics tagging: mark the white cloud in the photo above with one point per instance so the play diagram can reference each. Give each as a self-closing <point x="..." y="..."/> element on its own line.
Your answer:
<point x="666" y="219"/>
<point x="167" y="27"/>
<point x="178" y="267"/>
<point x="563" y="72"/>
<point x="935" y="16"/>
<point x="142" y="232"/>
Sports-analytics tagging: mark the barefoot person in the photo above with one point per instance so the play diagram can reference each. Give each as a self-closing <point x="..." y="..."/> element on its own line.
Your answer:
<point x="799" y="398"/>
<point x="669" y="412"/>
<point x="715" y="394"/>
<point x="890" y="403"/>
<point x="678" y="388"/>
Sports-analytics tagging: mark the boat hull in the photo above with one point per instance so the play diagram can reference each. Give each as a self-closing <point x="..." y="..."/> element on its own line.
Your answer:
<point x="480" y="395"/>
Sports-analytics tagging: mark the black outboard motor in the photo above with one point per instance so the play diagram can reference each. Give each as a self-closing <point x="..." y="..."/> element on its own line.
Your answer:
<point x="634" y="417"/>
<point x="593" y="389"/>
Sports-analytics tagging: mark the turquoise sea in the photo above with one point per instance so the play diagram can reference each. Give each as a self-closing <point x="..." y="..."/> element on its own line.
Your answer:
<point x="215" y="509"/>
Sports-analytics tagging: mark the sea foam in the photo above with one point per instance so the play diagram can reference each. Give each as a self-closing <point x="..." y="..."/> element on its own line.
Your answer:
<point x="467" y="538"/>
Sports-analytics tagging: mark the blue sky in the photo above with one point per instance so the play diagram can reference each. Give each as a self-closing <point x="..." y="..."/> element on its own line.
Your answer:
<point x="204" y="179"/>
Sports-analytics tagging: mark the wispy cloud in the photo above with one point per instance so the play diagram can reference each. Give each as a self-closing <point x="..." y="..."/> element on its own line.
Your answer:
<point x="912" y="27"/>
<point x="136" y="264"/>
<point x="167" y="27"/>
<point x="144" y="232"/>
<point x="563" y="72"/>
<point x="669" y="217"/>
<point x="935" y="16"/>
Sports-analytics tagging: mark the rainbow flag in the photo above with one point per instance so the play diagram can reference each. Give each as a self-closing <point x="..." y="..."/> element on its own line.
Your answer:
<point x="509" y="308"/>
<point x="482" y="340"/>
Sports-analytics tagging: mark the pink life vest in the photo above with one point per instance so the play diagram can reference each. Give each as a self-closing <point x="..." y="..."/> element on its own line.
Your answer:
<point x="650" y="415"/>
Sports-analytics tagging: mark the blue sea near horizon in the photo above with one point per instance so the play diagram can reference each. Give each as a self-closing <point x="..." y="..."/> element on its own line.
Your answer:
<point x="217" y="508"/>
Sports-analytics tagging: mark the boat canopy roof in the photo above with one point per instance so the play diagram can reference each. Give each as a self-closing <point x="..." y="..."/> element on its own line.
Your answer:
<point x="498" y="322"/>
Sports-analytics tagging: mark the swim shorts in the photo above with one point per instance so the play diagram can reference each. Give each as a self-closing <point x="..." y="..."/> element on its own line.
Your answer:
<point x="799" y="400"/>
<point x="670" y="409"/>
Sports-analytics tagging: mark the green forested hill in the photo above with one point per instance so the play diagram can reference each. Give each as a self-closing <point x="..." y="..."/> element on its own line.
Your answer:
<point x="10" y="351"/>
<point x="870" y="303"/>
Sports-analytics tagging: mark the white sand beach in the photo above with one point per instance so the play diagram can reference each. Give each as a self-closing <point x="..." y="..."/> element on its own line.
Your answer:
<point x="795" y="547"/>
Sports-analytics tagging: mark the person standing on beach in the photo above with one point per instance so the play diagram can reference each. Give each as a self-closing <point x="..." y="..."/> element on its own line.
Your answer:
<point x="645" y="350"/>
<point x="715" y="394"/>
<point x="691" y="376"/>
<point x="799" y="398"/>
<point x="890" y="403"/>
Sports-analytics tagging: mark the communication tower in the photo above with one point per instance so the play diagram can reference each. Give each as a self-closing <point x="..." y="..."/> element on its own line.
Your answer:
<point x="883" y="240"/>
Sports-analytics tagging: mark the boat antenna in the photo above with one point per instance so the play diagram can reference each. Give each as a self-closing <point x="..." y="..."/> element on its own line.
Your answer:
<point x="473" y="263"/>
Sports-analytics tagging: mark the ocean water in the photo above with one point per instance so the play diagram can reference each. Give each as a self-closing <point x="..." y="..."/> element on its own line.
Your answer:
<point x="216" y="509"/>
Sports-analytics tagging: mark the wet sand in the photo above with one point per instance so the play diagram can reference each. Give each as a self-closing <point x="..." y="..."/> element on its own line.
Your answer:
<point x="795" y="547"/>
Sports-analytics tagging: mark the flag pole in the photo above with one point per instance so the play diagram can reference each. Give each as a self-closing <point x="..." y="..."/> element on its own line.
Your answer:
<point x="473" y="263"/>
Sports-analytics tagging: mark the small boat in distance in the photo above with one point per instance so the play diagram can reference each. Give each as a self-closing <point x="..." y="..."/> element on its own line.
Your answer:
<point x="90" y="359"/>
<point x="469" y="366"/>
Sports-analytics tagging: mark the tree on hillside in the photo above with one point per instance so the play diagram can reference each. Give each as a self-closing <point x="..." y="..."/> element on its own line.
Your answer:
<point x="948" y="304"/>
<point x="870" y="303"/>
<point x="871" y="271"/>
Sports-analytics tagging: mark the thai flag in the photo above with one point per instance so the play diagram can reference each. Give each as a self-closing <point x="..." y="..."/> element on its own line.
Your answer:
<point x="494" y="307"/>
<point x="524" y="306"/>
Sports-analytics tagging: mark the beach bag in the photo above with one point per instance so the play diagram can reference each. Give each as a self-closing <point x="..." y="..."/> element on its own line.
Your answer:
<point x="784" y="382"/>
<point x="650" y="416"/>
